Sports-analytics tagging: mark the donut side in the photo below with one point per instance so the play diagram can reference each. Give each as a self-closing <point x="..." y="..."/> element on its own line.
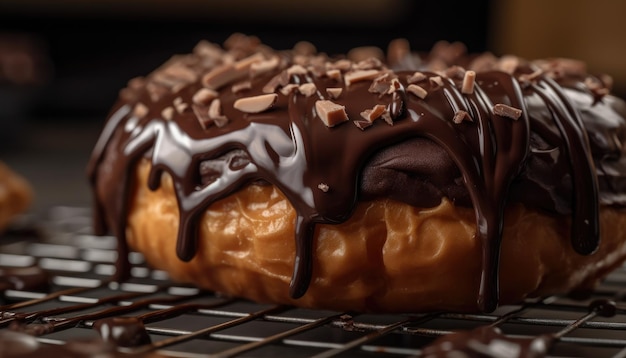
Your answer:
<point x="388" y="257"/>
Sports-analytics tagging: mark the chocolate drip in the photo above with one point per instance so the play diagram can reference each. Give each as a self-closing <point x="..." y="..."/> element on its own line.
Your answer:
<point x="290" y="147"/>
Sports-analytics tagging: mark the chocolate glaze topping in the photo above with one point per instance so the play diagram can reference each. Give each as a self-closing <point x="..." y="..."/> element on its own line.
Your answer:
<point x="528" y="133"/>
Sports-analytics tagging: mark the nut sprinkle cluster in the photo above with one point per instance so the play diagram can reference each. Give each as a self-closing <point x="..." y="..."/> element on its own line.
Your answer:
<point x="223" y="117"/>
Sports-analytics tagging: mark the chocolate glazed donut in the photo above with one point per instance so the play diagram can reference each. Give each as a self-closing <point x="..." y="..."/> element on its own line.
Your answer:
<point x="217" y="120"/>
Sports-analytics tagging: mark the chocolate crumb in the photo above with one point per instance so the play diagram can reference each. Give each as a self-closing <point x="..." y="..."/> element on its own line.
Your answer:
<point x="504" y="110"/>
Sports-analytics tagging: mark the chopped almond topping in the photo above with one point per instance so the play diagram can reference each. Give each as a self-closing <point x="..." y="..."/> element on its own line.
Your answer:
<point x="360" y="75"/>
<point x="334" y="74"/>
<point x="331" y="113"/>
<point x="387" y="117"/>
<point x="394" y="86"/>
<point x="215" y="109"/>
<point x="529" y="77"/>
<point x="374" y="113"/>
<point x="168" y="113"/>
<point x="362" y="124"/>
<point x="416" y="77"/>
<point x="455" y="72"/>
<point x="246" y="63"/>
<point x="211" y="116"/>
<point x="417" y="91"/>
<point x="508" y="64"/>
<point x="156" y="91"/>
<point x="286" y="90"/>
<point x="136" y="83"/>
<point x="304" y="48"/>
<point x="181" y="72"/>
<point x="180" y="108"/>
<point x="281" y="79"/>
<point x="223" y="75"/>
<point x="507" y="111"/>
<point x="334" y="92"/>
<point x="323" y="187"/>
<point x="140" y="110"/>
<point x="342" y="65"/>
<point x="381" y="84"/>
<point x="468" y="82"/>
<point x="461" y="116"/>
<point x="436" y="82"/>
<point x="204" y="96"/>
<point x="296" y="70"/>
<point x="241" y="86"/>
<point x="369" y="63"/>
<point x="256" y="104"/>
<point x="307" y="89"/>
<point x="258" y="68"/>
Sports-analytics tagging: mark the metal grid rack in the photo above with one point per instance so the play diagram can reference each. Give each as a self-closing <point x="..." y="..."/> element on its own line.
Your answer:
<point x="185" y="322"/>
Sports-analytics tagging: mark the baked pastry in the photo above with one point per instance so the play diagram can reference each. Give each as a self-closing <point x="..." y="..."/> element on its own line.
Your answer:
<point x="434" y="182"/>
<point x="15" y="195"/>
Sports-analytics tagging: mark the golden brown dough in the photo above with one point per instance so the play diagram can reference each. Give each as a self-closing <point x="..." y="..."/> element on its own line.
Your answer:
<point x="388" y="256"/>
<point x="15" y="195"/>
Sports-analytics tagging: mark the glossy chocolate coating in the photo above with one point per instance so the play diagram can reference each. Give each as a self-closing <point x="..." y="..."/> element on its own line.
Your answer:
<point x="123" y="331"/>
<point x="543" y="159"/>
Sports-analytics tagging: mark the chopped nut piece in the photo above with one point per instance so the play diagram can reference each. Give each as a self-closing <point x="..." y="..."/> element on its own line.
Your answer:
<point x="334" y="74"/>
<point x="307" y="89"/>
<point x="204" y="96"/>
<point x="330" y="112"/>
<point x="360" y="75"/>
<point x="381" y="84"/>
<point x="286" y="90"/>
<point x="416" y="77"/>
<point x="223" y="75"/>
<point x="508" y="64"/>
<point x="334" y="92"/>
<point x="181" y="73"/>
<point x="258" y="68"/>
<point x="256" y="104"/>
<point x="468" y="82"/>
<point x="461" y="116"/>
<point x="304" y="48"/>
<point x="136" y="83"/>
<point x="323" y="187"/>
<point x="398" y="50"/>
<point x="342" y="65"/>
<point x="369" y="64"/>
<point x="140" y="110"/>
<point x="507" y="111"/>
<point x="436" y="82"/>
<point x="281" y="79"/>
<point x="364" y="53"/>
<point x="156" y="91"/>
<point x="211" y="116"/>
<point x="168" y="113"/>
<point x="455" y="72"/>
<point x="246" y="63"/>
<point x="529" y="77"/>
<point x="417" y="91"/>
<point x="395" y="85"/>
<point x="296" y="70"/>
<point x="362" y="124"/>
<point x="387" y="117"/>
<point x="374" y="113"/>
<point x="241" y="86"/>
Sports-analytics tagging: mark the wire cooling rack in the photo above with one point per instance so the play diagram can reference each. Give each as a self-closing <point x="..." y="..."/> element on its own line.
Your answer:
<point x="183" y="321"/>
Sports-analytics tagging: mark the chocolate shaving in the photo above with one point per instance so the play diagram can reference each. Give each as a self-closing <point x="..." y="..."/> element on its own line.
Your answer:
<point x="381" y="84"/>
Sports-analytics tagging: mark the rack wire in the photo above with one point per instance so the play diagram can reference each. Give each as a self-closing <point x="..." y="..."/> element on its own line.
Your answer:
<point x="183" y="321"/>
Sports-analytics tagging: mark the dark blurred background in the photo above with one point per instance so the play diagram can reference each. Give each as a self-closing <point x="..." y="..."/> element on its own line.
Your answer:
<point x="85" y="51"/>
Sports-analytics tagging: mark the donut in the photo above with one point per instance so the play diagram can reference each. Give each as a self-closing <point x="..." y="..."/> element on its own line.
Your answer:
<point x="416" y="182"/>
<point x="15" y="195"/>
